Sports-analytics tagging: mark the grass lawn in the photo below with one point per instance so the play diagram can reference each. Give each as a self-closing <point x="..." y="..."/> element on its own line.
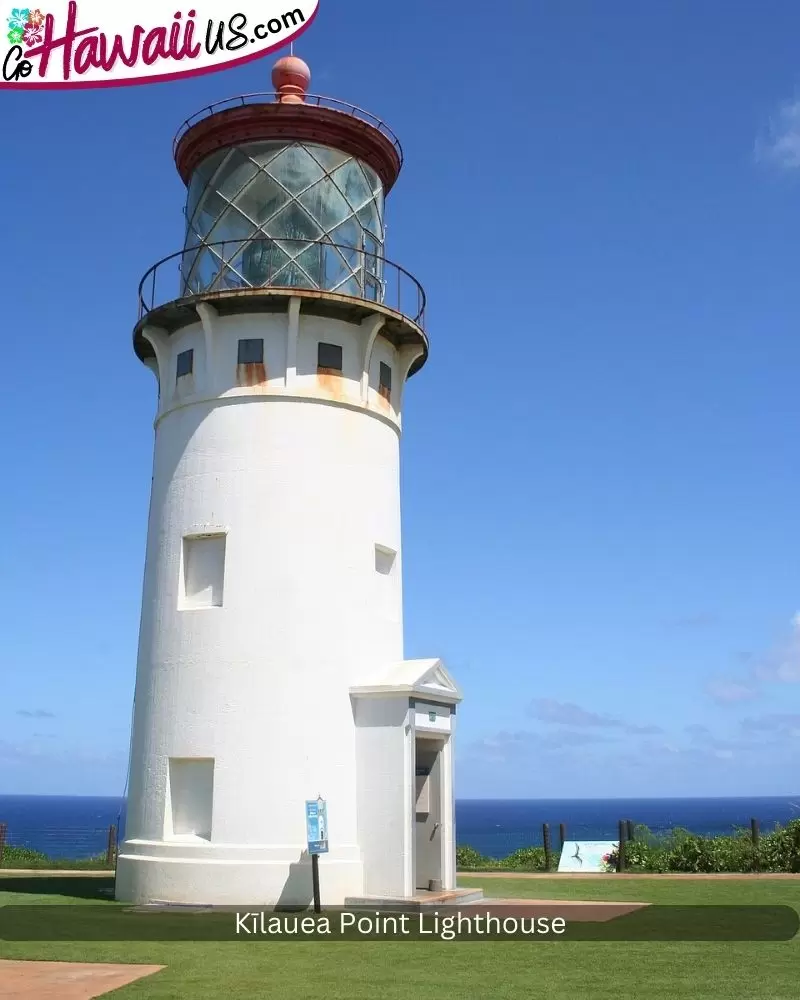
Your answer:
<point x="452" y="970"/>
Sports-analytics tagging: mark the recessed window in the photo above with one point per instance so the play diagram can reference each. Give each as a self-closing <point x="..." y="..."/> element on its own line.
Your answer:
<point x="191" y="793"/>
<point x="329" y="359"/>
<point x="384" y="559"/>
<point x="185" y="363"/>
<point x="251" y="352"/>
<point x="385" y="381"/>
<point x="203" y="571"/>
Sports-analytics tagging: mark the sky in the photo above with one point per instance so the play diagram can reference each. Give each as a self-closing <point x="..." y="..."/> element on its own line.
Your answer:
<point x="601" y="486"/>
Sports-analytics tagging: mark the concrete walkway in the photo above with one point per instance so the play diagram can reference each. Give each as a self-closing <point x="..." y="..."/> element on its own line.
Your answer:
<point x="71" y="873"/>
<point x="52" y="872"/>
<point x="66" y="980"/>
<point x="745" y="876"/>
<point x="687" y="876"/>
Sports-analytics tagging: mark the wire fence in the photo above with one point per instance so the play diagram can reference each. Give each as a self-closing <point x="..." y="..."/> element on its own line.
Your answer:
<point x="99" y="842"/>
<point x="59" y="843"/>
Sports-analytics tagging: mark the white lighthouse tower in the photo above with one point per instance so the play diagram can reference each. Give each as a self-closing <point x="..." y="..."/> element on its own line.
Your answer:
<point x="271" y="667"/>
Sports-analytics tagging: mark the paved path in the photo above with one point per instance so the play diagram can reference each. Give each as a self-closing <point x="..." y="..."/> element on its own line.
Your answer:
<point x="741" y="876"/>
<point x="71" y="873"/>
<point x="66" y="980"/>
<point x="50" y="872"/>
<point x="744" y="876"/>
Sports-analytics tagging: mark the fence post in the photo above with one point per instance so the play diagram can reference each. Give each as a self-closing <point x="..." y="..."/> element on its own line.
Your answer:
<point x="629" y="826"/>
<point x="562" y="834"/>
<point x="621" y="848"/>
<point x="3" y="833"/>
<point x="547" y="846"/>
<point x="111" y="849"/>
<point x="755" y="837"/>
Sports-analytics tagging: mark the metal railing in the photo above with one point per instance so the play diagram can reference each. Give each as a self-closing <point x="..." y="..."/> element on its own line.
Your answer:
<point x="316" y="100"/>
<point x="283" y="264"/>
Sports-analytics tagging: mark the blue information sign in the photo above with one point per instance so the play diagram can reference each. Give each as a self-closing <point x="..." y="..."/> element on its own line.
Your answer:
<point x="317" y="826"/>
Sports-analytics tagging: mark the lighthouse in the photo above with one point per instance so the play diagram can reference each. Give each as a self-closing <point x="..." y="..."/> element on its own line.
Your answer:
<point x="271" y="668"/>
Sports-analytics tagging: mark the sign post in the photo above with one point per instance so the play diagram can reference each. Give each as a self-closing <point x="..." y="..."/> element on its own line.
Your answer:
<point x="317" y="837"/>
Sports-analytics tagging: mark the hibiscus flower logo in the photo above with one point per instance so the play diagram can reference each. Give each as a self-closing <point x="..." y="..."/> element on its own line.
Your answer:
<point x="25" y="25"/>
<point x="19" y="18"/>
<point x="32" y="35"/>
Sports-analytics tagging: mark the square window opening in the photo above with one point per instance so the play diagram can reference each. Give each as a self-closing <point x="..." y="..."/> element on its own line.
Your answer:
<point x="185" y="364"/>
<point x="251" y="352"/>
<point x="329" y="359"/>
<point x="385" y="381"/>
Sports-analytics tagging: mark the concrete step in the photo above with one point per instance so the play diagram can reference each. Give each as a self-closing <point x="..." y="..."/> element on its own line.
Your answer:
<point x="421" y="901"/>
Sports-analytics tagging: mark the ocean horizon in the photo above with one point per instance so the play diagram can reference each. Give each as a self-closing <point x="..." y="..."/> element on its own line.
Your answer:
<point x="77" y="826"/>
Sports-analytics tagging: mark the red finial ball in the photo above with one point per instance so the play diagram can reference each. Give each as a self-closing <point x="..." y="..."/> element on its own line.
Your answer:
<point x="290" y="78"/>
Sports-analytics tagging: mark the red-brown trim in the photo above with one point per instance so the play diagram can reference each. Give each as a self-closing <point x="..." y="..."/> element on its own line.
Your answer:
<point x="302" y="122"/>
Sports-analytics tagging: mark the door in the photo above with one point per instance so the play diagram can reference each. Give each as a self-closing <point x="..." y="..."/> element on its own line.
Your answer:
<point x="428" y="814"/>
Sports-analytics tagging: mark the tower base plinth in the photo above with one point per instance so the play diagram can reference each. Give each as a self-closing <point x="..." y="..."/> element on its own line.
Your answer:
<point x="160" y="872"/>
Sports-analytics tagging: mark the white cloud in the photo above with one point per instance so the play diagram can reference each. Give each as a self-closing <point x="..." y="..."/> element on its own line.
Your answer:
<point x="781" y="144"/>
<point x="726" y="691"/>
<point x="783" y="665"/>
<point x="564" y="713"/>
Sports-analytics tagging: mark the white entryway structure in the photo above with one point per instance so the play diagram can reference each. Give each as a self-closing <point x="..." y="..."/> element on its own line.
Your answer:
<point x="271" y="667"/>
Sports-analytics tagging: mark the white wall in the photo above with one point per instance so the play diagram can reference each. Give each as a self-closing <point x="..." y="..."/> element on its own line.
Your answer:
<point x="302" y="477"/>
<point x="385" y="794"/>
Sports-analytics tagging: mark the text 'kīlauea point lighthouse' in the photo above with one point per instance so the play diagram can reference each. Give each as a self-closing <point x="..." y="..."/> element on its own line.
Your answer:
<point x="271" y="665"/>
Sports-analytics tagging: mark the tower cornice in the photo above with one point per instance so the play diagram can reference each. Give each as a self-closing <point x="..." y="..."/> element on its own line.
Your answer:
<point x="261" y="117"/>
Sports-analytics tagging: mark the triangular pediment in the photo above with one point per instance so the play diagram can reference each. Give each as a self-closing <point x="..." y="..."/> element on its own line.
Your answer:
<point x="426" y="678"/>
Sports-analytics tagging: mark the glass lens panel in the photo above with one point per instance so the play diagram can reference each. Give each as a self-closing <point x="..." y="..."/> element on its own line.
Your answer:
<point x="348" y="235"/>
<point x="208" y="212"/>
<point x="351" y="180"/>
<point x="369" y="218"/>
<point x="293" y="277"/>
<point x="200" y="179"/>
<point x="261" y="199"/>
<point x="295" y="168"/>
<point x="294" y="228"/>
<point x="236" y="172"/>
<point x="335" y="270"/>
<point x="263" y="152"/>
<point x="372" y="179"/>
<point x="262" y="260"/>
<point x="328" y="158"/>
<point x="205" y="271"/>
<point x="350" y="287"/>
<point x="326" y="204"/>
<point x="311" y="262"/>
<point x="232" y="225"/>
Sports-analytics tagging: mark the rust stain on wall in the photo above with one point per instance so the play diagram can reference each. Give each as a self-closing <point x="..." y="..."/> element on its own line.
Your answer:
<point x="251" y="375"/>
<point x="331" y="381"/>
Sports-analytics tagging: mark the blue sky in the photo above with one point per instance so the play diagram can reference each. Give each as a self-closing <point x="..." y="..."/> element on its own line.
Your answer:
<point x="601" y="483"/>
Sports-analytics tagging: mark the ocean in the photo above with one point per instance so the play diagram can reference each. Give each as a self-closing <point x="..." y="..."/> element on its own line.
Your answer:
<point x="78" y="827"/>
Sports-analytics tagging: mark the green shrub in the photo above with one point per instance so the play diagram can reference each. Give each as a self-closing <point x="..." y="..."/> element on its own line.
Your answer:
<point x="677" y="851"/>
<point x="25" y="857"/>
<point x="529" y="859"/>
<point x="22" y="857"/>
<point x="780" y="850"/>
<point x="468" y="857"/>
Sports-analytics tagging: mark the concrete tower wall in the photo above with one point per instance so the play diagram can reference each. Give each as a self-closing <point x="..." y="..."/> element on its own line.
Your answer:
<point x="272" y="584"/>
